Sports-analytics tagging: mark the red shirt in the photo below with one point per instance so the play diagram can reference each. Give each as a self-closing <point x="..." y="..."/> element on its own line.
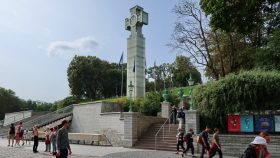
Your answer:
<point x="266" y="153"/>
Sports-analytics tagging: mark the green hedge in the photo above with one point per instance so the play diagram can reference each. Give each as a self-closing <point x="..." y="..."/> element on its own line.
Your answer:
<point x="253" y="91"/>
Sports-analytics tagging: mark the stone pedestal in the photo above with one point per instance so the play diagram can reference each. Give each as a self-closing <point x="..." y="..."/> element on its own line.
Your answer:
<point x="192" y="121"/>
<point x="165" y="109"/>
<point x="130" y="128"/>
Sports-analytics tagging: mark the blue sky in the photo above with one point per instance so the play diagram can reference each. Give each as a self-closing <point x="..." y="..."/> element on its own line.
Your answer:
<point x="40" y="37"/>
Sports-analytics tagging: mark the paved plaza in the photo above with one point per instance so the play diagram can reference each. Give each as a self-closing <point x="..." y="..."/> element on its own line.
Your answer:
<point x="85" y="151"/>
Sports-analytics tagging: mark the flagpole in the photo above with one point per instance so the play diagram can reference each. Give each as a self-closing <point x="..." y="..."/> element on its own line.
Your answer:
<point x="122" y="82"/>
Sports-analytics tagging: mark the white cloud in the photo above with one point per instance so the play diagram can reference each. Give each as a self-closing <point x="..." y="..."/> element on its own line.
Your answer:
<point x="78" y="46"/>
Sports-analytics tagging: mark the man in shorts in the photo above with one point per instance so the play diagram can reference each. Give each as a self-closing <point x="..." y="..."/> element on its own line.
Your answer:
<point x="12" y="132"/>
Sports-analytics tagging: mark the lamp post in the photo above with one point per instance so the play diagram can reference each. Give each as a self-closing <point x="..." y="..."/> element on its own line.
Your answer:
<point x="130" y="89"/>
<point x="191" y="82"/>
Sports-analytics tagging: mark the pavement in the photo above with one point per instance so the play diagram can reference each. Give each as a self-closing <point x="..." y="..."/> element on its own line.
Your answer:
<point x="85" y="151"/>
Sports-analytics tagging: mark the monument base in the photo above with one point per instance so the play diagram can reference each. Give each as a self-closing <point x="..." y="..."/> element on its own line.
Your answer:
<point x="165" y="109"/>
<point x="192" y="121"/>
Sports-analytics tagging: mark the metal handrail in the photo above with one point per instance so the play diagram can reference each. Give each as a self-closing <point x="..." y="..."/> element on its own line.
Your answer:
<point x="162" y="127"/>
<point x="44" y="118"/>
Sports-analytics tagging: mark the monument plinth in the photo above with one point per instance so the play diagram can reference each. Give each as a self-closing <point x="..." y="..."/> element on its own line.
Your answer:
<point x="136" y="51"/>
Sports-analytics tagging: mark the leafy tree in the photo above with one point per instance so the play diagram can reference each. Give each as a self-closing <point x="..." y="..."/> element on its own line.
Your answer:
<point x="9" y="102"/>
<point x="92" y="78"/>
<point x="269" y="57"/>
<point x="182" y="68"/>
<point x="172" y="74"/>
<point x="66" y="102"/>
<point x="255" y="18"/>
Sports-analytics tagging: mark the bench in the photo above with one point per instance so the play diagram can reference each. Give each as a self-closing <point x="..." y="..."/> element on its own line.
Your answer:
<point x="78" y="137"/>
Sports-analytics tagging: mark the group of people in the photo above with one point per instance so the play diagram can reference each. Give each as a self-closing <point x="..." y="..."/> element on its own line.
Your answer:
<point x="17" y="134"/>
<point x="58" y="139"/>
<point x="256" y="149"/>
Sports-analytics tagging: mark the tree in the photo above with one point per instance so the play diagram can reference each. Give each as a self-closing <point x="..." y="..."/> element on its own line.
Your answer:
<point x="92" y="78"/>
<point x="269" y="57"/>
<point x="255" y="18"/>
<point x="220" y="53"/>
<point x="182" y="68"/>
<point x="8" y="102"/>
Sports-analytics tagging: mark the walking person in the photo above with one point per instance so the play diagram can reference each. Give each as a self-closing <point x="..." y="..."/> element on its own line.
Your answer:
<point x="174" y="115"/>
<point x="182" y="119"/>
<point x="180" y="140"/>
<point x="204" y="135"/>
<point x="18" y="133"/>
<point x="216" y="146"/>
<point x="62" y="141"/>
<point x="35" y="137"/>
<point x="189" y="140"/>
<point x="47" y="140"/>
<point x="12" y="132"/>
<point x="266" y="136"/>
<point x="53" y="140"/>
<point x="255" y="149"/>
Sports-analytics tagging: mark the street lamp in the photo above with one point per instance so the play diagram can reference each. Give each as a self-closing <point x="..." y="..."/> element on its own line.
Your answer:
<point x="191" y="83"/>
<point x="130" y="89"/>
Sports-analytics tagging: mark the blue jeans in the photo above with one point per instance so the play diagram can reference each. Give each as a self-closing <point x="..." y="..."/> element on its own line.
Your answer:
<point x="54" y="146"/>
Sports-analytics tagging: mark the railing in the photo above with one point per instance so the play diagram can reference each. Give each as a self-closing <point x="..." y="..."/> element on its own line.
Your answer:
<point x="162" y="128"/>
<point x="44" y="119"/>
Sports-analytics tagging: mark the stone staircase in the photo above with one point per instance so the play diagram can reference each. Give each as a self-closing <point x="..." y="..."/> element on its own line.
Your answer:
<point x="147" y="141"/>
<point x="232" y="145"/>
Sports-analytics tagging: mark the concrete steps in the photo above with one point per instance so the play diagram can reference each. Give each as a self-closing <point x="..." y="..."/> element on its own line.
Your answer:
<point x="232" y="145"/>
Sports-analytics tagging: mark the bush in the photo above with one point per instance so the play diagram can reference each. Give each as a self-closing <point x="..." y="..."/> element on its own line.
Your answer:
<point x="253" y="91"/>
<point x="150" y="105"/>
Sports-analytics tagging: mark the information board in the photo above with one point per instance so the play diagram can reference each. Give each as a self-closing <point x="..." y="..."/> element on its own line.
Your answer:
<point x="233" y="123"/>
<point x="247" y="123"/>
<point x="264" y="123"/>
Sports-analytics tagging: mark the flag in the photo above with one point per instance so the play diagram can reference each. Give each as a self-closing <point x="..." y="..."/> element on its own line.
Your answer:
<point x="121" y="60"/>
<point x="133" y="66"/>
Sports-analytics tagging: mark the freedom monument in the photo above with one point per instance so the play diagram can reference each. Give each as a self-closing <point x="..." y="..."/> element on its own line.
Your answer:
<point x="136" y="51"/>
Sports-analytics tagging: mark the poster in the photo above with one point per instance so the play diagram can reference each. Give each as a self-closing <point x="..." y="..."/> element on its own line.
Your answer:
<point x="264" y="123"/>
<point x="247" y="123"/>
<point x="277" y="123"/>
<point x="233" y="123"/>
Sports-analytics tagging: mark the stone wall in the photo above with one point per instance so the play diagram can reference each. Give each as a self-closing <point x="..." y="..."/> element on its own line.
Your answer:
<point x="135" y="124"/>
<point x="88" y="118"/>
<point x="16" y="116"/>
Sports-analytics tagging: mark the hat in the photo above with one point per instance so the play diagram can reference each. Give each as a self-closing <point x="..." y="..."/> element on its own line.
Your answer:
<point x="259" y="140"/>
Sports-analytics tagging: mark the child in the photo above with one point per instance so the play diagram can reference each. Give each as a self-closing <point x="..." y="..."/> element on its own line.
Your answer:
<point x="53" y="140"/>
<point x="180" y="140"/>
<point x="27" y="136"/>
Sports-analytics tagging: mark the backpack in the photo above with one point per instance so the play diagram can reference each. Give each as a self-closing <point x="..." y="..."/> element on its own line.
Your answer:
<point x="199" y="139"/>
<point x="249" y="153"/>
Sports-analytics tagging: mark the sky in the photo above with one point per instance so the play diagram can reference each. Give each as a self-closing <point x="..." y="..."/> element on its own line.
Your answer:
<point x="38" y="39"/>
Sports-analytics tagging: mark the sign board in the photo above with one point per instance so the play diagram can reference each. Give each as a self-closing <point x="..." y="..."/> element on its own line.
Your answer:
<point x="233" y="123"/>
<point x="264" y="123"/>
<point x="277" y="123"/>
<point x="247" y="123"/>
